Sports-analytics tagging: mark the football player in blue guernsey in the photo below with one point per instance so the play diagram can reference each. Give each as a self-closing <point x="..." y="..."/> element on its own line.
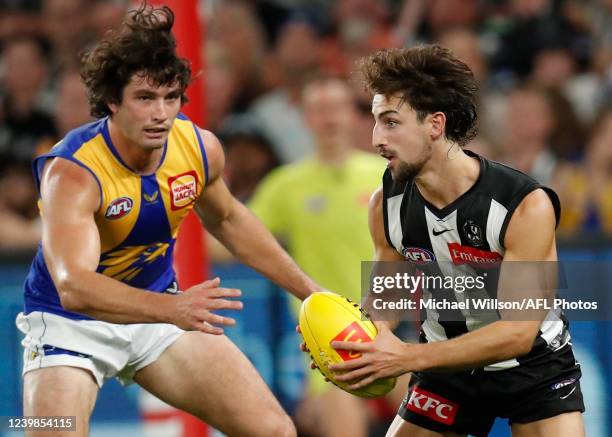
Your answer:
<point x="452" y="212"/>
<point x="100" y="298"/>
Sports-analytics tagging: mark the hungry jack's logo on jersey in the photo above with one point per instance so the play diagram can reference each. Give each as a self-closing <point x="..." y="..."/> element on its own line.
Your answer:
<point x="183" y="189"/>
<point x="119" y="208"/>
<point x="353" y="333"/>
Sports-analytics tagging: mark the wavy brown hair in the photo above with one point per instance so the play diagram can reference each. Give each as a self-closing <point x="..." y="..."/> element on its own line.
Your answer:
<point x="430" y="79"/>
<point x="142" y="44"/>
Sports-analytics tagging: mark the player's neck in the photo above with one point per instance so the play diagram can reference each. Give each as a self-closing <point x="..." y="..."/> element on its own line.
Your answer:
<point x="139" y="159"/>
<point x="447" y="175"/>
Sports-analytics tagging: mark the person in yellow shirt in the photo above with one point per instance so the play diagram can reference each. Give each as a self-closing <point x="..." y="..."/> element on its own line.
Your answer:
<point x="318" y="209"/>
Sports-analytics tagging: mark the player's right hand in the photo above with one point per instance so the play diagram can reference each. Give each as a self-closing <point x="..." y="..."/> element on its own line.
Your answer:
<point x="193" y="308"/>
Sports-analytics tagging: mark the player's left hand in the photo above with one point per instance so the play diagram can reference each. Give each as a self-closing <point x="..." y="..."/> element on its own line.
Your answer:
<point x="386" y="356"/>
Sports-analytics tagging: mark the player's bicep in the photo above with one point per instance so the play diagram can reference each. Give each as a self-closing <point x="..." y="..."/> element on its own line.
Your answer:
<point x="528" y="272"/>
<point x="70" y="240"/>
<point x="383" y="251"/>
<point x="215" y="202"/>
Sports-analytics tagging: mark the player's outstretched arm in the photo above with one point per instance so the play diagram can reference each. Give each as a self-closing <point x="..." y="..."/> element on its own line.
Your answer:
<point x="71" y="245"/>
<point x="241" y="232"/>
<point x="530" y="237"/>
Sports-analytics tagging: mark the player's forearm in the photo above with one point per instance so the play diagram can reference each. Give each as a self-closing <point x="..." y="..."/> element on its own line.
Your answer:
<point x="106" y="299"/>
<point x="496" y="342"/>
<point x="249" y="241"/>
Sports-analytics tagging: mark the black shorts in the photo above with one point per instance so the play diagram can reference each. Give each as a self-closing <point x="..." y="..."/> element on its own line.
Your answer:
<point x="469" y="402"/>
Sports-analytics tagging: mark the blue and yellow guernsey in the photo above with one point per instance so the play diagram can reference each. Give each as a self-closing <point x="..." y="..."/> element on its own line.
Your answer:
<point x="138" y="217"/>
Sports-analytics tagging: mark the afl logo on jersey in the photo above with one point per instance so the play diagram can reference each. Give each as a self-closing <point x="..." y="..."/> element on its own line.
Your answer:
<point x="183" y="189"/>
<point x="119" y="208"/>
<point x="418" y="256"/>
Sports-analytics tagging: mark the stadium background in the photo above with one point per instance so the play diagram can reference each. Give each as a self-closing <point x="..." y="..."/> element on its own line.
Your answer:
<point x="545" y="70"/>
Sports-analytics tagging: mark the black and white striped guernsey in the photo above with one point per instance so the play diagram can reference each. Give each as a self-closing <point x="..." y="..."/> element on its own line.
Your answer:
<point x="466" y="235"/>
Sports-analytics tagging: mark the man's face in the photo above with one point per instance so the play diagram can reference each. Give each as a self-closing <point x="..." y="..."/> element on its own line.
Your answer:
<point x="146" y="112"/>
<point x="399" y="137"/>
<point x="329" y="110"/>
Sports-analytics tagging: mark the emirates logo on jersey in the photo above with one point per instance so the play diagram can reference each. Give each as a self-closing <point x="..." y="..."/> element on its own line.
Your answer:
<point x="472" y="256"/>
<point x="119" y="208"/>
<point x="183" y="190"/>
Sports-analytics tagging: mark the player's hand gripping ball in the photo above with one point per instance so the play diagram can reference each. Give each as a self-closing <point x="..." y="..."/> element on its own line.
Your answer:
<point x="326" y="317"/>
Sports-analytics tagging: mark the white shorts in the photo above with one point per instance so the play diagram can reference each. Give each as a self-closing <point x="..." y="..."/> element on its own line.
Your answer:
<point x="107" y="350"/>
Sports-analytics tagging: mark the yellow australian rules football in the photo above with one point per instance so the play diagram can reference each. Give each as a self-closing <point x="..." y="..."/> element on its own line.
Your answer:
<point x="327" y="317"/>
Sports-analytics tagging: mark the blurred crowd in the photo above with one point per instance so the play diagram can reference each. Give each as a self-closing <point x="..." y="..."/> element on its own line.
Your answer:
<point x="544" y="68"/>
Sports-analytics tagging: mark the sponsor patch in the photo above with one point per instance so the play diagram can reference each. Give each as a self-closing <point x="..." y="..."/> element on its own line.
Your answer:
<point x="152" y="198"/>
<point x="183" y="189"/>
<point x="432" y="405"/>
<point x="353" y="333"/>
<point x="472" y="256"/>
<point x="119" y="208"/>
<point x="417" y="255"/>
<point x="562" y="384"/>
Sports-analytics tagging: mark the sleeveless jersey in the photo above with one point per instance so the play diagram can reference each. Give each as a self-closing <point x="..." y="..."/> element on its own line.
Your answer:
<point x="465" y="237"/>
<point x="138" y="216"/>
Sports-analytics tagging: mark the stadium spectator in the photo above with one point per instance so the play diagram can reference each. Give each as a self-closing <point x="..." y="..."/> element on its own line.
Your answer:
<point x="26" y="129"/>
<point x="19" y="16"/>
<point x="297" y="58"/>
<point x="66" y="26"/>
<point x="585" y="189"/>
<point x="530" y="26"/>
<point x="19" y="222"/>
<point x="71" y="103"/>
<point x="360" y="26"/>
<point x="465" y="45"/>
<point x="234" y="26"/>
<point x="222" y="86"/>
<point x="104" y="15"/>
<point x="249" y="155"/>
<point x="528" y="129"/>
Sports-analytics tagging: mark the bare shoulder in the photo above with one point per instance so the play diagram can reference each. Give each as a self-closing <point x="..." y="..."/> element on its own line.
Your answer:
<point x="214" y="153"/>
<point x="375" y="204"/>
<point x="531" y="231"/>
<point x="375" y="218"/>
<point x="64" y="179"/>
<point x="538" y="207"/>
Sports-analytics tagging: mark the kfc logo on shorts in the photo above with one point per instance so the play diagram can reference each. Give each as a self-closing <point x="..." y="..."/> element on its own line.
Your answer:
<point x="183" y="189"/>
<point x="432" y="405"/>
<point x="418" y="256"/>
<point x="353" y="333"/>
<point x="119" y="208"/>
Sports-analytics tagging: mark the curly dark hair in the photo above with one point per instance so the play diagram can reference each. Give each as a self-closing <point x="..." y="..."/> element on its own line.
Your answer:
<point x="430" y="79"/>
<point x="142" y="44"/>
